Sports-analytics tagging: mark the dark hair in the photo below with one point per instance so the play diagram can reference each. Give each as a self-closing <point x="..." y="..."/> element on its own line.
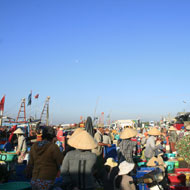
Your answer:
<point x="118" y="181"/>
<point x="48" y="133"/>
<point x="107" y="168"/>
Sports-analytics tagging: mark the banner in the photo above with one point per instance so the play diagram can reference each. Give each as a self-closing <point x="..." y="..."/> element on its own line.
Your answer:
<point x="2" y="104"/>
<point x="30" y="99"/>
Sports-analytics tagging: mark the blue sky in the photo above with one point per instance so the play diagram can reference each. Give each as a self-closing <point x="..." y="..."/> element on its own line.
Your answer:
<point x="131" y="55"/>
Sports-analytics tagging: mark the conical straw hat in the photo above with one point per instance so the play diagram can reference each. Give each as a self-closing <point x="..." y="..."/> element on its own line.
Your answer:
<point x="19" y="131"/>
<point x="152" y="162"/>
<point x="172" y="128"/>
<point x="188" y="127"/>
<point x="128" y="133"/>
<point x="154" y="131"/>
<point x="83" y="141"/>
<point x="76" y="132"/>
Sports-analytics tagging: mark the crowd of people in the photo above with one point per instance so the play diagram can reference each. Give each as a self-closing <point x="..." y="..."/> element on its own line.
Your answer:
<point x="79" y="159"/>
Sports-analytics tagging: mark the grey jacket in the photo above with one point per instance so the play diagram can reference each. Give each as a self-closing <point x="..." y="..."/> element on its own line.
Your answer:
<point x="77" y="168"/>
<point x="150" y="147"/>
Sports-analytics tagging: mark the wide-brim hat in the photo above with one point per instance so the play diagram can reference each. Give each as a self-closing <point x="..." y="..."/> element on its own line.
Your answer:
<point x="125" y="167"/>
<point x="76" y="132"/>
<point x="172" y="128"/>
<point x="83" y="141"/>
<point x="154" y="131"/>
<point x="128" y="133"/>
<point x="156" y="161"/>
<point x="188" y="127"/>
<point x="111" y="162"/>
<point x="19" y="131"/>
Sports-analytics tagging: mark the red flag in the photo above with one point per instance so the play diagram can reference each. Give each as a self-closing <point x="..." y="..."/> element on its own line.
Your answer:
<point x="2" y="104"/>
<point x="37" y="95"/>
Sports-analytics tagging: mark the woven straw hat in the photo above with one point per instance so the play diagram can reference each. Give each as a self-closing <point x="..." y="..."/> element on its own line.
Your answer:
<point x="76" y="132"/>
<point x="128" y="133"/>
<point x="154" y="161"/>
<point x="19" y="131"/>
<point x="188" y="127"/>
<point x="111" y="162"/>
<point x="83" y="141"/>
<point x="172" y="128"/>
<point x="154" y="131"/>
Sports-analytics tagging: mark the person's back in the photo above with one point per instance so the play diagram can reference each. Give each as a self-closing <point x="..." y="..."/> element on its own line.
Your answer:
<point x="173" y="137"/>
<point x="77" y="169"/>
<point x="109" y="177"/>
<point x="150" y="147"/>
<point x="46" y="158"/>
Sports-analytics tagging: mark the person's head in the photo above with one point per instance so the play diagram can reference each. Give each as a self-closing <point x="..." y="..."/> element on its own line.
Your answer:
<point x="39" y="131"/>
<point x="82" y="141"/>
<point x="172" y="129"/>
<point x="101" y="130"/>
<point x="154" y="132"/>
<point x="89" y="120"/>
<point x="19" y="132"/>
<point x="106" y="131"/>
<point x="125" y="167"/>
<point x="111" y="163"/>
<point x="128" y="134"/>
<point x="48" y="133"/>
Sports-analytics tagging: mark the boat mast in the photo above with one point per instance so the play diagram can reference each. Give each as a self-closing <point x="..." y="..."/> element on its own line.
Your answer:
<point x="45" y="112"/>
<point x="22" y="118"/>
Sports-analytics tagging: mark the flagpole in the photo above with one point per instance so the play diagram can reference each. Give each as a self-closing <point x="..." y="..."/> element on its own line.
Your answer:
<point x="36" y="108"/>
<point x="30" y="110"/>
<point x="1" y="119"/>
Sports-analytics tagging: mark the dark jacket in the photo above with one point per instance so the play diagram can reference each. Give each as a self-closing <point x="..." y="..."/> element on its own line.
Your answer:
<point x="77" y="169"/>
<point x="46" y="160"/>
<point x="109" y="178"/>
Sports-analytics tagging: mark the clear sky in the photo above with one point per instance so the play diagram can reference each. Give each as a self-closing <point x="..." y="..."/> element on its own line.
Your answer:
<point x="133" y="56"/>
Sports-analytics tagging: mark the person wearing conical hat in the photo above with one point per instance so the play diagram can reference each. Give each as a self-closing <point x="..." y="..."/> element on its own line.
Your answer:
<point x="172" y="138"/>
<point x="187" y="130"/>
<point x="151" y="147"/>
<point x="127" y="145"/>
<point x="78" y="165"/>
<point x="22" y="146"/>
